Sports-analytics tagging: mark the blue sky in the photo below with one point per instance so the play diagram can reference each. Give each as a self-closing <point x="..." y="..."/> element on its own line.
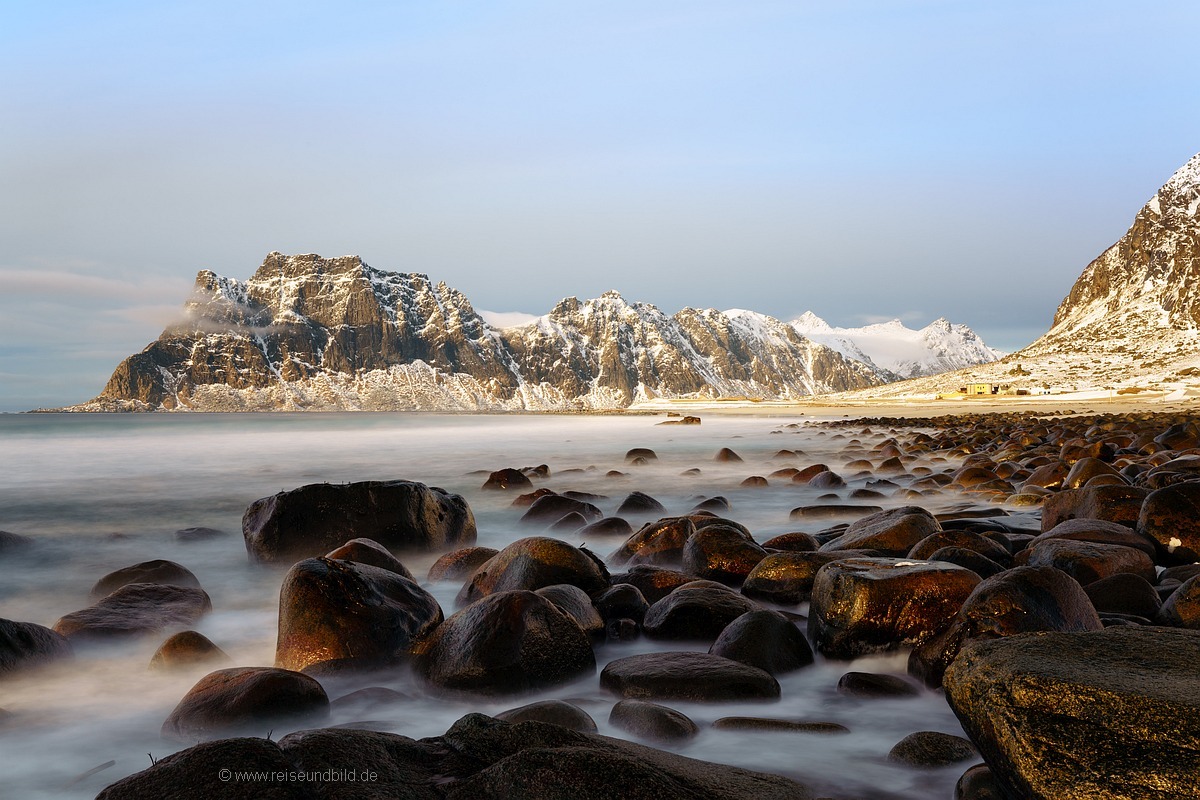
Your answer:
<point x="864" y="160"/>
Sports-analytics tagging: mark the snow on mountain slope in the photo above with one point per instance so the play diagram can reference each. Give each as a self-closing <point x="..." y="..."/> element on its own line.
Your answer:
<point x="899" y="352"/>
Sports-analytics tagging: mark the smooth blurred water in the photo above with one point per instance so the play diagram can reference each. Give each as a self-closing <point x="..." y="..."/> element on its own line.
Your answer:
<point x="100" y="492"/>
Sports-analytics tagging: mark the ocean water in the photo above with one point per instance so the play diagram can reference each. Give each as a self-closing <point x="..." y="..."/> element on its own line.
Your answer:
<point x="100" y="492"/>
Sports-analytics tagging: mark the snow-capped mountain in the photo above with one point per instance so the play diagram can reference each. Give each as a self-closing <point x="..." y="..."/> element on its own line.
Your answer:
<point x="899" y="352"/>
<point x="307" y="332"/>
<point x="1130" y="323"/>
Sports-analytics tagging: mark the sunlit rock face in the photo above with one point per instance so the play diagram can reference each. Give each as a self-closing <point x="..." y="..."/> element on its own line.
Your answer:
<point x="307" y="332"/>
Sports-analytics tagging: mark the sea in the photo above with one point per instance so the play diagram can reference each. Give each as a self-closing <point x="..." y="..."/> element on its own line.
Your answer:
<point x="98" y="492"/>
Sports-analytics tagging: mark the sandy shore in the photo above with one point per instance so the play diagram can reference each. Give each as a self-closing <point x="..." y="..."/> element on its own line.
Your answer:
<point x="834" y="408"/>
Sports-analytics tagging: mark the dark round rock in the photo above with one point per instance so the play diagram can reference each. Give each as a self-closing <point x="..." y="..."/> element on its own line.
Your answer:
<point x="575" y="603"/>
<point x="654" y="583"/>
<point x="652" y="722"/>
<point x="721" y="553"/>
<point x="978" y="783"/>
<point x="552" y="712"/>
<point x="313" y="519"/>
<point x="550" y="508"/>
<point x="687" y="676"/>
<point x="981" y="565"/>
<point x="1124" y="593"/>
<point x="644" y="453"/>
<point x="621" y="601"/>
<point x="764" y="639"/>
<point x="25" y="645"/>
<point x="870" y="684"/>
<point x="608" y="526"/>
<point x="727" y="455"/>
<point x="660" y="542"/>
<point x="244" y="699"/>
<point x="460" y="564"/>
<point x="568" y="523"/>
<point x="333" y="610"/>
<point x="199" y="534"/>
<point x="1181" y="609"/>
<point x="509" y="641"/>
<point x="932" y="749"/>
<point x="893" y="532"/>
<point x="639" y="503"/>
<point x="136" y="609"/>
<point x="506" y="479"/>
<point x="1171" y="517"/>
<point x="794" y="542"/>
<point x="695" y="613"/>
<point x="187" y="649"/>
<point x="371" y="553"/>
<point x="158" y="571"/>
<point x="788" y="577"/>
<point x="777" y="725"/>
<point x="533" y="563"/>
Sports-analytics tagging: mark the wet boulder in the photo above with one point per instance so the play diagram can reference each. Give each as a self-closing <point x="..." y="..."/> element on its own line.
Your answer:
<point x="875" y="684"/>
<point x="158" y="571"/>
<point x="136" y="609"/>
<point x="552" y="712"/>
<point x="932" y="749"/>
<point x="460" y="564"/>
<point x="314" y="519"/>
<point x="575" y="603"/>
<point x="795" y="542"/>
<point x="548" y="509"/>
<point x="245" y="699"/>
<point x="1112" y="713"/>
<point x="1181" y="609"/>
<point x="764" y="639"/>
<point x="644" y="453"/>
<point x="333" y="610"/>
<point x="1124" y="593"/>
<point x="654" y="583"/>
<point x="1120" y="504"/>
<point x="371" y="553"/>
<point x="787" y="578"/>
<point x="695" y="613"/>
<point x="607" y="526"/>
<point x="1171" y="518"/>
<point x="891" y="532"/>
<point x="698" y="677"/>
<point x="509" y="641"/>
<point x="862" y="605"/>
<point x="639" y="503"/>
<point x="187" y="649"/>
<point x="1098" y="531"/>
<point x="506" y="479"/>
<point x="652" y="722"/>
<point x="966" y="539"/>
<point x="25" y="645"/>
<point x="1088" y="562"/>
<point x="1085" y="469"/>
<point x="721" y="553"/>
<point x="1021" y="600"/>
<point x="659" y="543"/>
<point x="533" y="563"/>
<point x="981" y="565"/>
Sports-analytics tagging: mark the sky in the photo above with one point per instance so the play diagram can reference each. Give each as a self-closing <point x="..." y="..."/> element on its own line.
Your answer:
<point x="864" y="160"/>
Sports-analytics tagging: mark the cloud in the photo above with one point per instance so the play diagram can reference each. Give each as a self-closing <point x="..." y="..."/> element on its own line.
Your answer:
<point x="506" y="319"/>
<point x="66" y="284"/>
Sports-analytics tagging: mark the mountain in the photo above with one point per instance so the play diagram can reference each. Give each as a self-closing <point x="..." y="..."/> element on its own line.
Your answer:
<point x="898" y="352"/>
<point x="1130" y="323"/>
<point x="307" y="332"/>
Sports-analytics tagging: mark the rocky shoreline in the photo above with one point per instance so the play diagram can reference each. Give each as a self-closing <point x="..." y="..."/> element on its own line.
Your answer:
<point x="1051" y="595"/>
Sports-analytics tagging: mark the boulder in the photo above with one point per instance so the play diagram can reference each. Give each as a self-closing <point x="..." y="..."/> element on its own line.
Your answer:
<point x="874" y="684"/>
<point x="891" y="532"/>
<point x="506" y="479"/>
<point x="187" y="649"/>
<point x="1022" y="600"/>
<point x="721" y="553"/>
<point x="660" y="542"/>
<point x="764" y="639"/>
<point x="621" y="601"/>
<point x="371" y="553"/>
<point x="932" y="749"/>
<point x="552" y="712"/>
<point x="1098" y="531"/>
<point x="13" y="542"/>
<point x="1182" y="608"/>
<point x="509" y="641"/>
<point x="796" y="542"/>
<point x="607" y="526"/>
<point x="460" y="564"/>
<point x="575" y="603"/>
<point x="159" y="571"/>
<point x="1088" y="562"/>
<point x="695" y="613"/>
<point x="1119" y="504"/>
<point x="314" y="519"/>
<point x="533" y="563"/>
<point x="136" y="609"/>
<point x="190" y="535"/>
<point x="245" y="699"/>
<point x="1124" y="593"/>
<point x="24" y="645"/>
<point x="333" y="610"/>
<point x="652" y="722"/>
<point x="639" y="503"/>
<point x="654" y="583"/>
<point x="698" y="677"/>
<point x="787" y="578"/>
<point x="551" y="508"/>
<point x="1068" y="716"/>
<point x="1170" y="517"/>
<point x="862" y="605"/>
<point x="982" y="566"/>
<point x="968" y="540"/>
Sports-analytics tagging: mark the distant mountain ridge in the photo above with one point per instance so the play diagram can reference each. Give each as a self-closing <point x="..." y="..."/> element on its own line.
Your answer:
<point x="306" y="332"/>
<point x="898" y="352"/>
